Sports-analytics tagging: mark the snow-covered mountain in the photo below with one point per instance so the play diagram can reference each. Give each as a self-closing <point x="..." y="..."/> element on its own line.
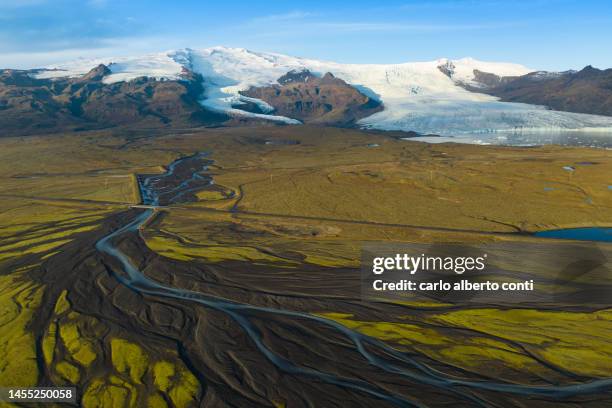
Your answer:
<point x="427" y="97"/>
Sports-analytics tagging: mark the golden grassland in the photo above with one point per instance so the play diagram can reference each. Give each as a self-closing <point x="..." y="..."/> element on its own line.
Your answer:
<point x="323" y="197"/>
<point x="78" y="154"/>
<point x="332" y="173"/>
<point x="456" y="186"/>
<point x="90" y="167"/>
<point x="313" y="203"/>
<point x="215" y="236"/>
<point x="110" y="188"/>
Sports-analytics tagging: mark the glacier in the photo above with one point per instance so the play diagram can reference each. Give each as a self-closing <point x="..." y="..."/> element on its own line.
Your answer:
<point x="417" y="96"/>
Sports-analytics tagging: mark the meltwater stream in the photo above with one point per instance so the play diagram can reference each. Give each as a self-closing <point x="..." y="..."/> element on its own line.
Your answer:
<point x="152" y="194"/>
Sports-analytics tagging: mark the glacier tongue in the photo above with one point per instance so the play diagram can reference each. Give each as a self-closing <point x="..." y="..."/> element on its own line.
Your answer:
<point x="417" y="96"/>
<point x="448" y="117"/>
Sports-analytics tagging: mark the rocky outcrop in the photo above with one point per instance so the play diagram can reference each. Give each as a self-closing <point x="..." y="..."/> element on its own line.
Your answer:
<point x="448" y="69"/>
<point x="316" y="100"/>
<point x="29" y="105"/>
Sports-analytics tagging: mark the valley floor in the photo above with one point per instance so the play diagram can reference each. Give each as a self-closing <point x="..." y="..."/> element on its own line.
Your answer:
<point x="268" y="260"/>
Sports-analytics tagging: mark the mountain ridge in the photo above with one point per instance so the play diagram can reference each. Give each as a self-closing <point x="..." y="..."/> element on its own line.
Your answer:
<point x="32" y="105"/>
<point x="439" y="97"/>
<point x="588" y="90"/>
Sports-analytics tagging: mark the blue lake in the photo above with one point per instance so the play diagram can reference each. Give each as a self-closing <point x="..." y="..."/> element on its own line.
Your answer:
<point x="581" y="234"/>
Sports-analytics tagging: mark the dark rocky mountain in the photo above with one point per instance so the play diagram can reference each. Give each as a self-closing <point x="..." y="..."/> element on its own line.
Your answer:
<point x="585" y="91"/>
<point x="29" y="105"/>
<point x="304" y="96"/>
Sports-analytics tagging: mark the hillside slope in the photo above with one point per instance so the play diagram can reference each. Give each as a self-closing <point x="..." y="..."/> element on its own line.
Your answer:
<point x="33" y="105"/>
<point x="585" y="91"/>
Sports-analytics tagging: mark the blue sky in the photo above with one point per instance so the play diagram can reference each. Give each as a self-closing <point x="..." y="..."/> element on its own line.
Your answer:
<point x="542" y="34"/>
